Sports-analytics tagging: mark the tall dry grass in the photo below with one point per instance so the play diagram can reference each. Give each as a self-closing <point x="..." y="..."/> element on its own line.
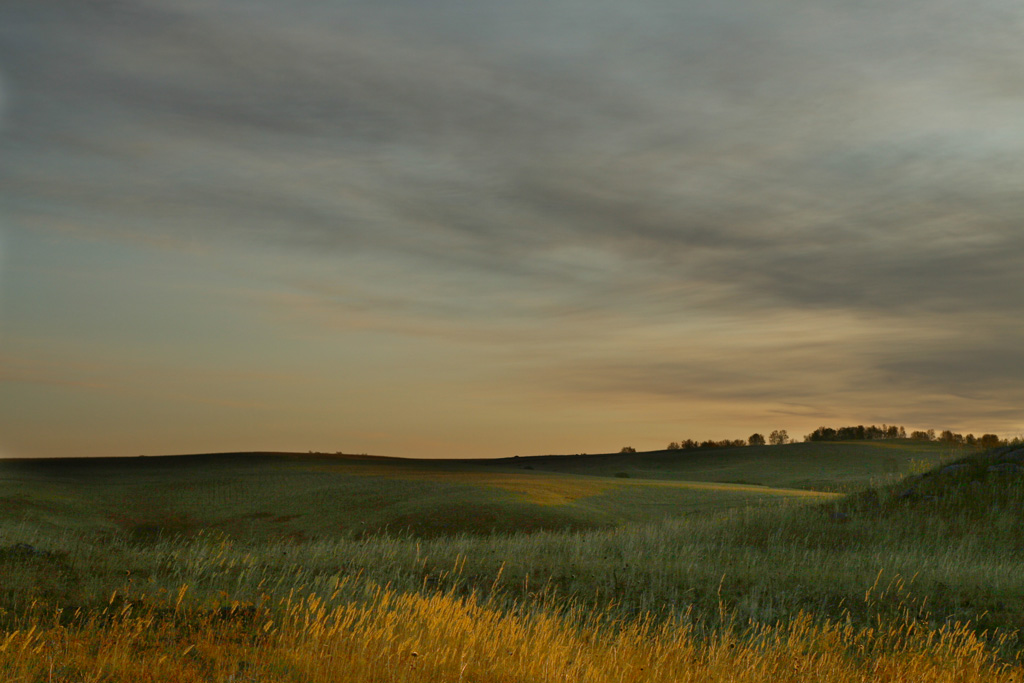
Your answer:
<point x="390" y="636"/>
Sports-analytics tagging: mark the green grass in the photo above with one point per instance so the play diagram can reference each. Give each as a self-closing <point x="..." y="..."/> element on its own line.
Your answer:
<point x="936" y="547"/>
<point x="827" y="466"/>
<point x="267" y="497"/>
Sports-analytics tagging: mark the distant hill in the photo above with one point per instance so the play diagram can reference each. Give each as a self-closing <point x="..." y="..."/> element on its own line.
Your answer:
<point x="264" y="495"/>
<point x="824" y="466"/>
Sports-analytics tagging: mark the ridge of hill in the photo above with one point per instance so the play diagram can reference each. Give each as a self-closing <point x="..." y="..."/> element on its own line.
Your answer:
<point x="825" y="466"/>
<point x="271" y="495"/>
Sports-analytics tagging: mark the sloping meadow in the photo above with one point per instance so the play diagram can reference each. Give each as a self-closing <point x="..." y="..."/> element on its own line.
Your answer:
<point x="918" y="580"/>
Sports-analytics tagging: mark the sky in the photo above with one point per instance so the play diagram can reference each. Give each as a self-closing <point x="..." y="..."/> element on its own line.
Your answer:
<point x="442" y="228"/>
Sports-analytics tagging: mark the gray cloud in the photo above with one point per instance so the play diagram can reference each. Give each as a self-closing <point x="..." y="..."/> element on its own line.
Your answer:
<point x="951" y="375"/>
<point x="553" y="163"/>
<point x="660" y="126"/>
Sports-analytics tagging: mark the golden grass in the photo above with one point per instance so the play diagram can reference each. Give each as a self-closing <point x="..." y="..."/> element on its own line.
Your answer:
<point x="389" y="636"/>
<point x="541" y="488"/>
<point x="735" y="488"/>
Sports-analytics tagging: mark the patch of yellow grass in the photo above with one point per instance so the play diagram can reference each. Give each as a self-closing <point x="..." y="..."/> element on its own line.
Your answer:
<point x="541" y="488"/>
<point x="734" y="488"/>
<point x="544" y="488"/>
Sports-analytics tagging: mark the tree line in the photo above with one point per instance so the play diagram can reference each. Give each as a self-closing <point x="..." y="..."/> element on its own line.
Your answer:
<point x="862" y="433"/>
<point x="776" y="438"/>
<point x="850" y="433"/>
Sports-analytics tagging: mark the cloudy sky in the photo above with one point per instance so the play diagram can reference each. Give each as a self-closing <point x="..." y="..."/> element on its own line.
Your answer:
<point x="443" y="227"/>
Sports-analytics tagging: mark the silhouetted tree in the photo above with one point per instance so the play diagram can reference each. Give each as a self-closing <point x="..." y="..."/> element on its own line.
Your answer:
<point x="821" y="434"/>
<point x="756" y="439"/>
<point x="628" y="449"/>
<point x="950" y="437"/>
<point x="856" y="433"/>
<point x="778" y="437"/>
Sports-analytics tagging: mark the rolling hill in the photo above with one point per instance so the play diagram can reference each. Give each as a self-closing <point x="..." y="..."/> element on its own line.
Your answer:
<point x="299" y="496"/>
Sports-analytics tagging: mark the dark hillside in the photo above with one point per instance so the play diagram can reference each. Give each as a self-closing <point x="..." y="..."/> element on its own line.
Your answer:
<point x="268" y="496"/>
<point x="827" y="466"/>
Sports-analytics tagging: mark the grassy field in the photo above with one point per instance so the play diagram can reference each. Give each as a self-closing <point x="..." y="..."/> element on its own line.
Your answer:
<point x="824" y="466"/>
<point x="281" y="496"/>
<point x="309" y="568"/>
<point x="302" y="496"/>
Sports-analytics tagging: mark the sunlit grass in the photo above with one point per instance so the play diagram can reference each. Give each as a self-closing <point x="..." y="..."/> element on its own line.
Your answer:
<point x="539" y="487"/>
<point x="391" y="636"/>
<point x="736" y="488"/>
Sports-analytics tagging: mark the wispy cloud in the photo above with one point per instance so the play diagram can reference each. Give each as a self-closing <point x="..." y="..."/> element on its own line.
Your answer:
<point x="572" y="178"/>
